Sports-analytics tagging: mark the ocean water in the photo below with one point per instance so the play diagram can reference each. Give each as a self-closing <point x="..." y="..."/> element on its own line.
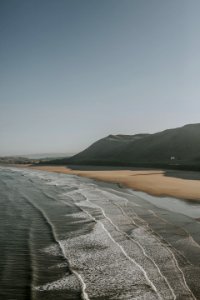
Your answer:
<point x="66" y="237"/>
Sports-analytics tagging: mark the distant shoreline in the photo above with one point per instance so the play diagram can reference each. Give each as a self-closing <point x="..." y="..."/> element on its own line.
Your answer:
<point x="178" y="184"/>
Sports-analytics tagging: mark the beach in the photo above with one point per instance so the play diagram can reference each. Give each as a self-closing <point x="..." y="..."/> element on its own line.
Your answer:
<point x="178" y="184"/>
<point x="70" y="237"/>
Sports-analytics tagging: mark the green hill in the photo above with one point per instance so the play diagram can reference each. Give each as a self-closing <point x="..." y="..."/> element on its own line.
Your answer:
<point x="179" y="146"/>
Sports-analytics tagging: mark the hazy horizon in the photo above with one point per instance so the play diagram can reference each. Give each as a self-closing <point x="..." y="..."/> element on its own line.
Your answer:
<point x="75" y="71"/>
<point x="35" y="155"/>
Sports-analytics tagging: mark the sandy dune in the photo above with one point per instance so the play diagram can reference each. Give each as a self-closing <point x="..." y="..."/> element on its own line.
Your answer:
<point x="150" y="181"/>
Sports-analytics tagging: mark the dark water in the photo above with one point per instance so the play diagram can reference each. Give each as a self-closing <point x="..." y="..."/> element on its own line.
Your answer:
<point x="64" y="237"/>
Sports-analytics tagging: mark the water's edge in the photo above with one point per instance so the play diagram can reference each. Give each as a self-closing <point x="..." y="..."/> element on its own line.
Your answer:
<point x="74" y="238"/>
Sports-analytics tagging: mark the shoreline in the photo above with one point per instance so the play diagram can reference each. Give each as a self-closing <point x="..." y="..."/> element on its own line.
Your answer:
<point x="153" y="182"/>
<point x="116" y="230"/>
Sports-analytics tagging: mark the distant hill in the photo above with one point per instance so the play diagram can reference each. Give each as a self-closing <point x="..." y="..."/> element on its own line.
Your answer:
<point x="31" y="159"/>
<point x="47" y="155"/>
<point x="179" y="146"/>
<point x="16" y="160"/>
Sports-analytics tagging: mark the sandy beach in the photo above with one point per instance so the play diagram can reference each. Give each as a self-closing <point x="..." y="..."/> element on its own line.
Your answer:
<point x="178" y="184"/>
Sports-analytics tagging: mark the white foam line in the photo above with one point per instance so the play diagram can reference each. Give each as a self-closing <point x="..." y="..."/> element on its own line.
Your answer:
<point x="76" y="191"/>
<point x="82" y="209"/>
<point x="174" y="258"/>
<point x="132" y="260"/>
<point x="84" y="295"/>
<point x="183" y="276"/>
<point x="115" y="192"/>
<point x="122" y="249"/>
<point x="31" y="263"/>
<point x="145" y="254"/>
<point x="175" y="262"/>
<point x="134" y="241"/>
<point x="189" y="235"/>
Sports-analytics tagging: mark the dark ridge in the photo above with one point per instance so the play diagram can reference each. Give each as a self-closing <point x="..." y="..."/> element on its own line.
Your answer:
<point x="177" y="148"/>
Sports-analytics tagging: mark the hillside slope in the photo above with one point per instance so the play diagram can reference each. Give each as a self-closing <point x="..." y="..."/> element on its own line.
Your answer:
<point x="108" y="148"/>
<point x="183" y="144"/>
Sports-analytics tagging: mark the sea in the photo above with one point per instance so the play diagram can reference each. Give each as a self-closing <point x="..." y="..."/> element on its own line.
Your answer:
<point x="68" y="237"/>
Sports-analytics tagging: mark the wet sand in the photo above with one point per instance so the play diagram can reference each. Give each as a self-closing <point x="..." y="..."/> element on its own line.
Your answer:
<point x="154" y="182"/>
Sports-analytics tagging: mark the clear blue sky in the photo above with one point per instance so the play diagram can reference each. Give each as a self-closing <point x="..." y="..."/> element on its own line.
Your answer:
<point x="73" y="71"/>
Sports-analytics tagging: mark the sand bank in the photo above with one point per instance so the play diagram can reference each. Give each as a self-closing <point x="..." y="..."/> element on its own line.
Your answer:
<point x="154" y="182"/>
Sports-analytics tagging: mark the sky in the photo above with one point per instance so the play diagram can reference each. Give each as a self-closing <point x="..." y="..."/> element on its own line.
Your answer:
<point x="72" y="71"/>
